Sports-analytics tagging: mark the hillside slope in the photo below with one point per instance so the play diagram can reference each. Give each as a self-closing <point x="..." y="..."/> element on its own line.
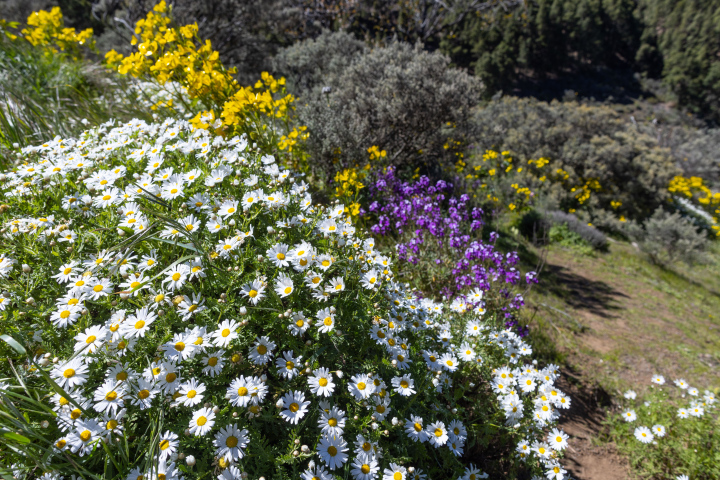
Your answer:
<point x="614" y="320"/>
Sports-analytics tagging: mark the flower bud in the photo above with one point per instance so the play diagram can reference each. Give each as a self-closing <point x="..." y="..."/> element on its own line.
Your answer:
<point x="26" y="268"/>
<point x="190" y="460"/>
<point x="297" y="441"/>
<point x="279" y="403"/>
<point x="243" y="311"/>
<point x="304" y="449"/>
<point x="216" y="410"/>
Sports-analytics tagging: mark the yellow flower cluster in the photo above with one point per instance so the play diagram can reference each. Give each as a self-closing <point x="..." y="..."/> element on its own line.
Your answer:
<point x="167" y="53"/>
<point x="348" y="182"/>
<point x="584" y="192"/>
<point x="694" y="189"/>
<point x="47" y="29"/>
<point x="376" y="153"/>
<point x="288" y="141"/>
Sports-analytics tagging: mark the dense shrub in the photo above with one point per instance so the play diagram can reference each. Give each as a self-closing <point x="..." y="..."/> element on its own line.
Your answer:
<point x="398" y="98"/>
<point x="316" y="62"/>
<point x="594" y="163"/>
<point x="696" y="150"/>
<point x="669" y="237"/>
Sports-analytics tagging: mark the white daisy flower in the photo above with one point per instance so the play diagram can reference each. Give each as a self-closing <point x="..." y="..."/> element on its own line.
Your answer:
<point x="295" y="407"/>
<point x="437" y="434"/>
<point x="202" y="422"/>
<point x="191" y="393"/>
<point x="332" y="423"/>
<point x="287" y="365"/>
<point x="326" y="320"/>
<point x="284" y="286"/>
<point x="226" y="333"/>
<point x="230" y="442"/>
<point x="70" y="374"/>
<point x="644" y="435"/>
<point x="332" y="451"/>
<point x="321" y="382"/>
<point x="262" y="351"/>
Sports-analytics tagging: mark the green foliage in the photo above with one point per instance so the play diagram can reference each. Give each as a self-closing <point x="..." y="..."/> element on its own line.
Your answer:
<point x="45" y="94"/>
<point x="562" y="228"/>
<point x="669" y="237"/>
<point x="543" y="37"/>
<point x="600" y="167"/>
<point x="690" y="446"/>
<point x="686" y="35"/>
<point x="399" y="98"/>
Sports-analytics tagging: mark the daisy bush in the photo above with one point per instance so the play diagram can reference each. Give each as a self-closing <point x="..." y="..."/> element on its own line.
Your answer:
<point x="175" y="305"/>
<point x="670" y="431"/>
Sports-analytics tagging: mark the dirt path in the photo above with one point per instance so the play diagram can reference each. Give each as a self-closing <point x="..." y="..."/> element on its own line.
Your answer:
<point x="584" y="459"/>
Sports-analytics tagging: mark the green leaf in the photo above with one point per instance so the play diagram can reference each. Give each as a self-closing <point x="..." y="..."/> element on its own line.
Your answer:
<point x="14" y="344"/>
<point x="16" y="437"/>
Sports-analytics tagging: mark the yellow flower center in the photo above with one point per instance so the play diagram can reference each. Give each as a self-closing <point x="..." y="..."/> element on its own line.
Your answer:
<point x="365" y="468"/>
<point x="110" y="396"/>
<point x="139" y="324"/>
<point x="143" y="394"/>
<point x="294" y="407"/>
<point x="404" y="384"/>
<point x="69" y="373"/>
<point x="176" y="277"/>
<point x="323" y="382"/>
<point x="85" y="435"/>
<point x="332" y="451"/>
<point x="438" y="432"/>
<point x="65" y="314"/>
<point x="417" y="427"/>
<point x="75" y="414"/>
<point x="201" y="421"/>
<point x="231" y="442"/>
<point x="191" y="394"/>
<point x="164" y="444"/>
<point x="397" y="476"/>
<point x="327" y="321"/>
<point x="252" y="293"/>
<point x="361" y="386"/>
<point x="242" y="391"/>
<point x="288" y="290"/>
<point x="261" y="349"/>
